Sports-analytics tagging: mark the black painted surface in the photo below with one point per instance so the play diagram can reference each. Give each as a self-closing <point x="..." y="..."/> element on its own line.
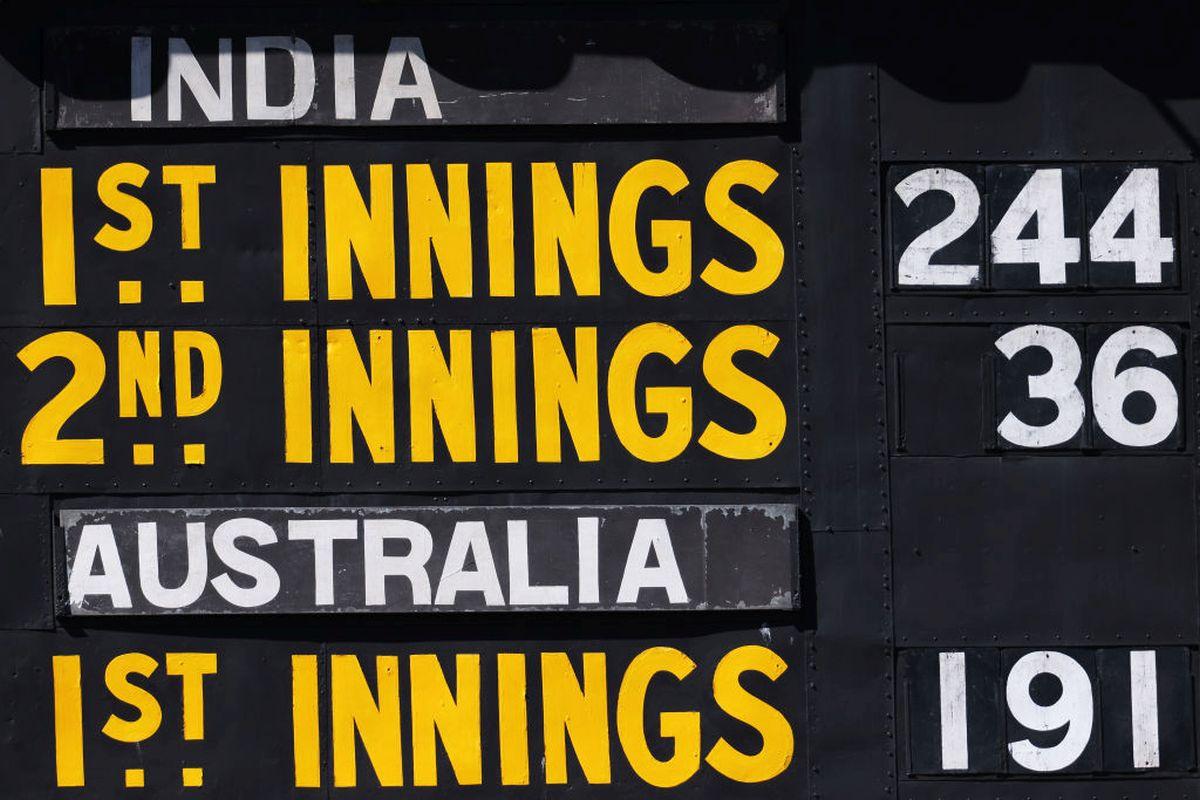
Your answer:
<point x="919" y="528"/>
<point x="25" y="588"/>
<point x="1010" y="538"/>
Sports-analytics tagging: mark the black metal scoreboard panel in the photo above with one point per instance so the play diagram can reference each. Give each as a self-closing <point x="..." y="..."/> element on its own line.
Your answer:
<point x="761" y="401"/>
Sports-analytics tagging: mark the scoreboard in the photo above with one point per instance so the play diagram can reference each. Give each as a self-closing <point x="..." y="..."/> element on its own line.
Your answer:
<point x="764" y="400"/>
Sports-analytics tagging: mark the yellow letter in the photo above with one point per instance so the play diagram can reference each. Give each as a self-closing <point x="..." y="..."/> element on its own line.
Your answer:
<point x="580" y="713"/>
<point x="772" y="726"/>
<point x="41" y="443"/>
<point x="68" y="721"/>
<point x="192" y="667"/>
<point x="453" y="718"/>
<point x="293" y="202"/>
<point x="504" y="397"/>
<point x="682" y="727"/>
<point x="673" y="402"/>
<point x="355" y="396"/>
<point x="768" y="250"/>
<point x="672" y="235"/>
<point x="514" y="719"/>
<point x="188" y="404"/>
<point x="138" y="366"/>
<point x="189" y="178"/>
<point x="444" y="228"/>
<point x="378" y="725"/>
<point x="572" y="226"/>
<point x="574" y="393"/>
<point x="444" y="389"/>
<point x="500" y="229"/>
<point x="116" y="678"/>
<point x="369" y="234"/>
<point x="770" y="417"/>
<point x="297" y="397"/>
<point x="306" y="728"/>
<point x="141" y="221"/>
<point x="58" y="239"/>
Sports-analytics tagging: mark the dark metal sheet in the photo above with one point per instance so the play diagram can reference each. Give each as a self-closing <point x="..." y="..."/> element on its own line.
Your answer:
<point x="26" y="574"/>
<point x="1173" y="307"/>
<point x="20" y="90"/>
<point x="1015" y="549"/>
<point x="1026" y="107"/>
<point x="502" y="73"/>
<point x="940" y="389"/>
<point x="852" y="724"/>
<point x="1079" y="789"/>
<point x="843" y="434"/>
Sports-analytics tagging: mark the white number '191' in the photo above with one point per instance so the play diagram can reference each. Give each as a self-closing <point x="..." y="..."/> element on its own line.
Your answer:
<point x="1074" y="710"/>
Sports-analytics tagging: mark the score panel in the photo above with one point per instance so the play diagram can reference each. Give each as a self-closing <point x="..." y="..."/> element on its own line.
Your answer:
<point x="1046" y="712"/>
<point x="1025" y="227"/>
<point x="1037" y="387"/>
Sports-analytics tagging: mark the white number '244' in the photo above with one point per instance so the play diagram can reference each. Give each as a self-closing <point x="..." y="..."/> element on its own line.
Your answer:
<point x="1041" y="198"/>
